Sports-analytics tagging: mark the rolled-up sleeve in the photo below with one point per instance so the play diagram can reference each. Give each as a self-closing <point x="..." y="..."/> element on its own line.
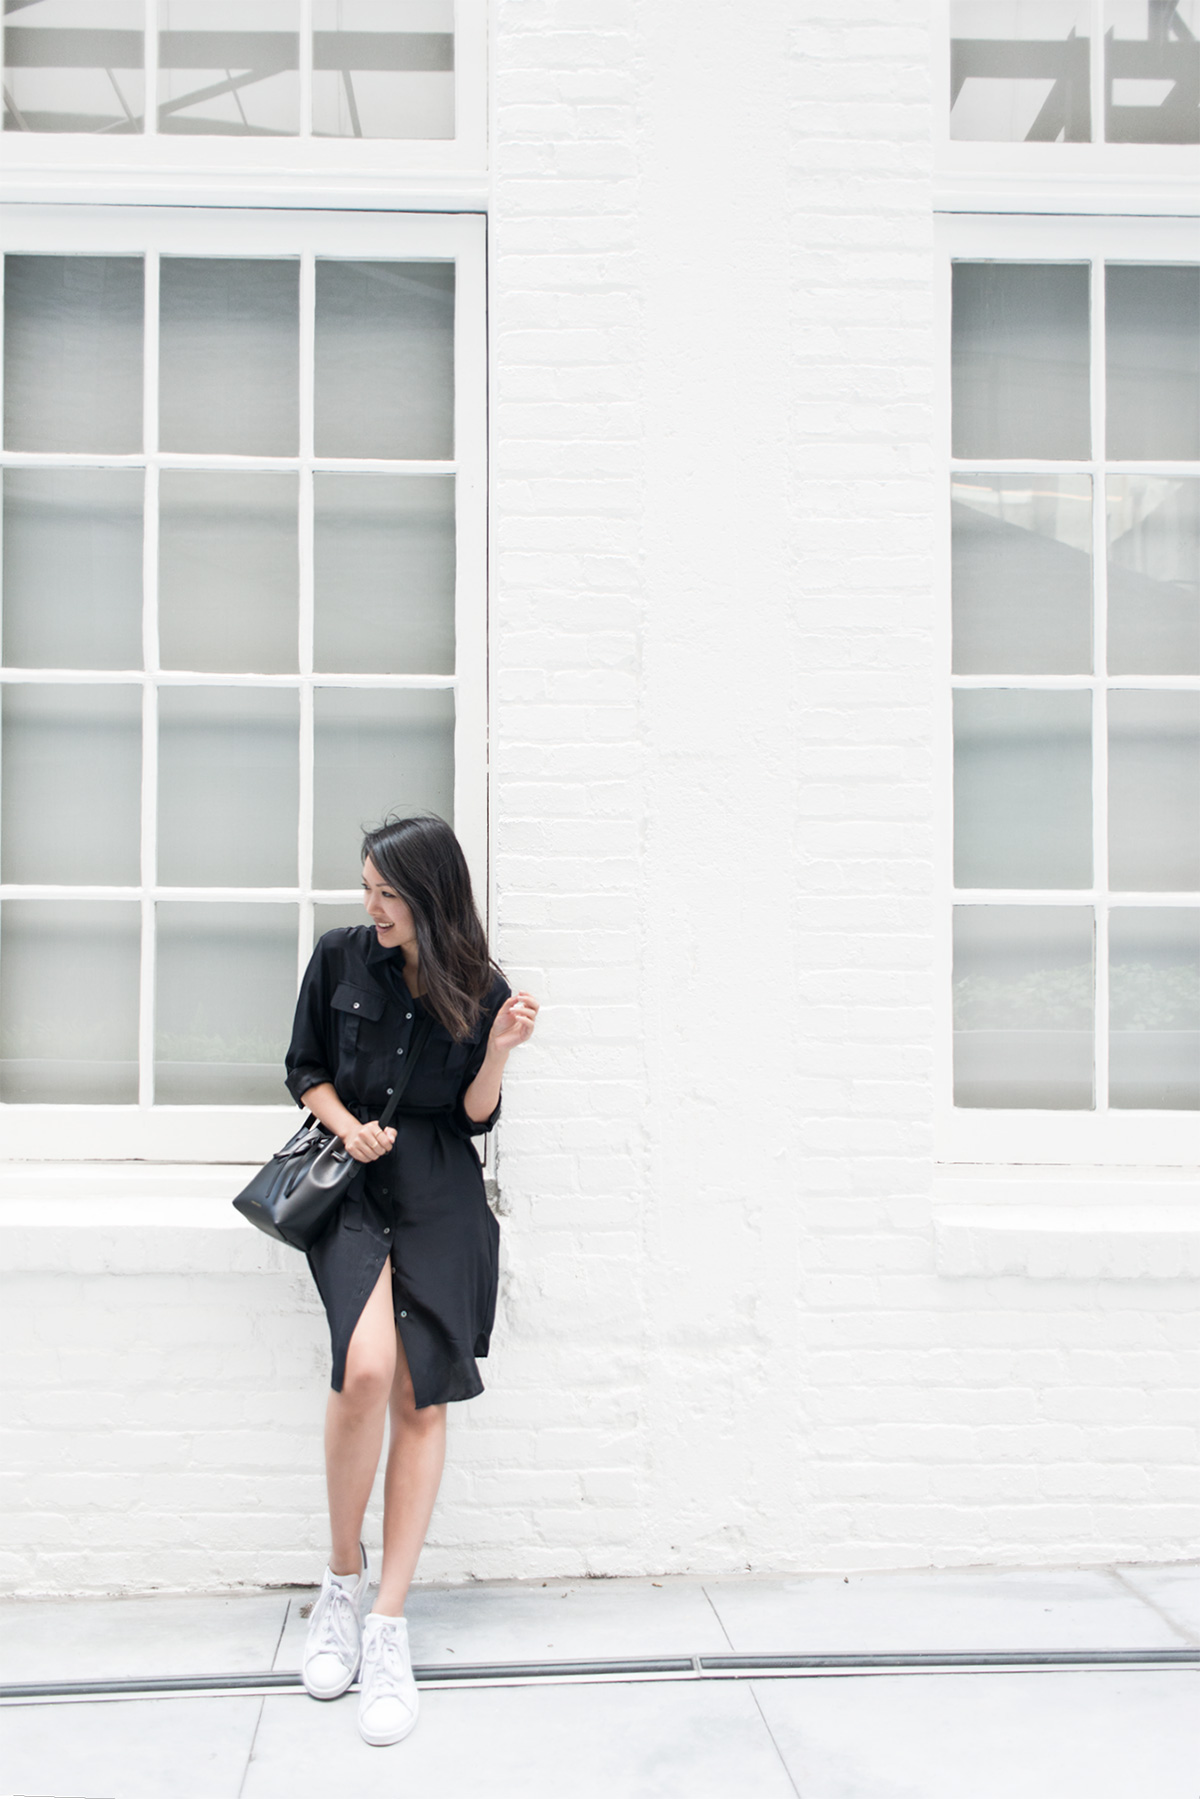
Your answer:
<point x="309" y="1057"/>
<point x="463" y="1123"/>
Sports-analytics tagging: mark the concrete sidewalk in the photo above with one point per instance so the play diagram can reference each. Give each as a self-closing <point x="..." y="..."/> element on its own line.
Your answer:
<point x="1095" y="1732"/>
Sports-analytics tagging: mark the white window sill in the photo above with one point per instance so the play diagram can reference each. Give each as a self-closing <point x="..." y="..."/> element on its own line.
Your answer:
<point x="134" y="1218"/>
<point x="129" y="1218"/>
<point x="1067" y="1224"/>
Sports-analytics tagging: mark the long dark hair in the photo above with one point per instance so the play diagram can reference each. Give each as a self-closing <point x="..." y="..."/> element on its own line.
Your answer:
<point x="422" y="860"/>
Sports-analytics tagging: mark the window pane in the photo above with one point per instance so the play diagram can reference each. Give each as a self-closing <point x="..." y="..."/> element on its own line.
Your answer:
<point x="73" y="353"/>
<point x="385" y="573"/>
<point x="1023" y="1006"/>
<point x="228" y="787"/>
<point x="230" y="356"/>
<point x="69" y="1002"/>
<point x="385" y="360"/>
<point x="228" y="571"/>
<point x="1153" y="575"/>
<point x="74" y="65"/>
<point x="383" y="68"/>
<point x="1019" y="71"/>
<point x="1022" y="574"/>
<point x="1152" y="71"/>
<point x="1022" y="789"/>
<point x="1020" y="351"/>
<point x="1154" y="1054"/>
<point x="331" y="917"/>
<point x="376" y="753"/>
<point x="73" y="568"/>
<point x="72" y="783"/>
<point x="1154" y="792"/>
<point x="226" y="988"/>
<point x="229" y="68"/>
<point x="1153" y="330"/>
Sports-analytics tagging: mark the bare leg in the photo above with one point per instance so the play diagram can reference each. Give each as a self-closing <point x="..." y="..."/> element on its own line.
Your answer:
<point x="354" y="1423"/>
<point x="416" y="1454"/>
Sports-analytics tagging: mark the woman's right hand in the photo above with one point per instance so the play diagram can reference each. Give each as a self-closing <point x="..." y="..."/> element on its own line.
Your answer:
<point x="366" y="1142"/>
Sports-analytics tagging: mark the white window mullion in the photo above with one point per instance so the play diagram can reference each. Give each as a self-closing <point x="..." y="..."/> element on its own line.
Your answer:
<point x="471" y="567"/>
<point x="2" y="321"/>
<point x="1100" y="665"/>
<point x="149" y="865"/>
<point x="1097" y="70"/>
<point x="308" y="296"/>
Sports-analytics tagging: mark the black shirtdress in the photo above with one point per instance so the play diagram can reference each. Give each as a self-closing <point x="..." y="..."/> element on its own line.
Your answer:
<point x="423" y="1203"/>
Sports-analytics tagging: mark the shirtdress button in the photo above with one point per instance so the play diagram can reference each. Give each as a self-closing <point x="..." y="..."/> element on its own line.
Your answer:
<point x="356" y="1005"/>
<point x="387" y="1230"/>
<point x="408" y="1014"/>
<point x="389" y="1089"/>
<point x="399" y="1052"/>
<point x="404" y="1314"/>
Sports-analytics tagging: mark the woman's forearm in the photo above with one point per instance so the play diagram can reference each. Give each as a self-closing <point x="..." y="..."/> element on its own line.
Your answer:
<point x="324" y="1104"/>
<point x="483" y="1095"/>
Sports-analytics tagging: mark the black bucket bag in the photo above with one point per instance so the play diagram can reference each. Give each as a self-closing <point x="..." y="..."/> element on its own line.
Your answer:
<point x="294" y="1196"/>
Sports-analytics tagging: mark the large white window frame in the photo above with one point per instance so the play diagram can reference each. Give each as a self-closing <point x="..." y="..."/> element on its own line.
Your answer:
<point x="1161" y="179"/>
<point x="278" y="171"/>
<point x="969" y="1135"/>
<point x="249" y="1133"/>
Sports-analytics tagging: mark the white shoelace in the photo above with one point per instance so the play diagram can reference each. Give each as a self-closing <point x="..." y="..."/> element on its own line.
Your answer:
<point x="386" y="1671"/>
<point x="336" y="1623"/>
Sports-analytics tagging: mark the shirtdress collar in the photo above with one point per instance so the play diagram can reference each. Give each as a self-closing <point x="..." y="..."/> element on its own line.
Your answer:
<point x="387" y="965"/>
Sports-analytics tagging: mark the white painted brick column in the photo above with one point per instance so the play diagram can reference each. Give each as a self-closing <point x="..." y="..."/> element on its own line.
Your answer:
<point x="568" y="1378"/>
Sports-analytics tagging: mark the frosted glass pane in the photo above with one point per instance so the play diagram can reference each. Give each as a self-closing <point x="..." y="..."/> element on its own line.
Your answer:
<point x="1020" y="355"/>
<point x="1019" y="71"/>
<point x="1153" y="351"/>
<point x="74" y="65"/>
<point x="1153" y="575"/>
<point x="228" y="787"/>
<point x="73" y="568"/>
<point x="1152" y="71"/>
<point x="230" y="356"/>
<point x="1022" y="574"/>
<point x="229" y="68"/>
<point x="1154" y="792"/>
<point x="383" y="68"/>
<point x="73" y="353"/>
<point x="69" y="1002"/>
<point x="228" y="571"/>
<point x="72" y="784"/>
<point x="1154" y="981"/>
<point x="1023" y="1006"/>
<point x="330" y="917"/>
<point x="384" y="574"/>
<point x="385" y="360"/>
<point x="376" y="753"/>
<point x="225" y="993"/>
<point x="1022" y="789"/>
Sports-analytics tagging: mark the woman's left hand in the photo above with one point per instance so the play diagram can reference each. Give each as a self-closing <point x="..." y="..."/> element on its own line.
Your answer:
<point x="513" y="1024"/>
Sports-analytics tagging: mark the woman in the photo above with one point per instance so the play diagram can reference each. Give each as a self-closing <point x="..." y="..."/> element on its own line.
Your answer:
<point x="407" y="1268"/>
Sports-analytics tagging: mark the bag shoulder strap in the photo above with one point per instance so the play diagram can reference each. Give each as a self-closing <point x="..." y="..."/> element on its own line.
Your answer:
<point x="419" y="1039"/>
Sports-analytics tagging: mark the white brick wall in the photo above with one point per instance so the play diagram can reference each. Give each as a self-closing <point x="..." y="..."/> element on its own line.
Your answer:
<point x="724" y="1338"/>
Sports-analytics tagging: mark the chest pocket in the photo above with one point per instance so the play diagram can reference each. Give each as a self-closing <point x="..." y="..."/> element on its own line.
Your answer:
<point x="350" y="1004"/>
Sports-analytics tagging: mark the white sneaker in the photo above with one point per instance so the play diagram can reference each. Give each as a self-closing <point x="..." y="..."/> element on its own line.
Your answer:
<point x="333" y="1647"/>
<point x="387" y="1700"/>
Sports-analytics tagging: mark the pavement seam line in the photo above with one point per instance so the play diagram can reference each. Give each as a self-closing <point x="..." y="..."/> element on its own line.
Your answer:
<point x="250" y="1753"/>
<point x="775" y="1746"/>
<point x="1188" y="1636"/>
<point x="712" y="1604"/>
